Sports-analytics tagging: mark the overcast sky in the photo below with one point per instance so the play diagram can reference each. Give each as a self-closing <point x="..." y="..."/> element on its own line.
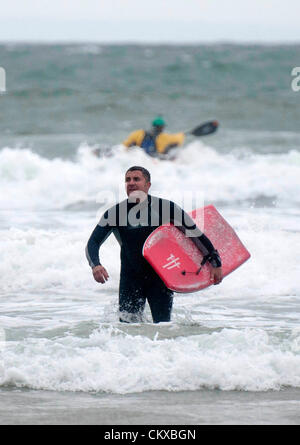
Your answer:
<point x="150" y="20"/>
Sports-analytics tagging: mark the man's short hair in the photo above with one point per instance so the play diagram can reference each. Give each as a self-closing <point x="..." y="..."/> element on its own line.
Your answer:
<point x="144" y="171"/>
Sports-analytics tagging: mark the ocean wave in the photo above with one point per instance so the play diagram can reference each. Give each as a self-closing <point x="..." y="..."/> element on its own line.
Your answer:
<point x="29" y="181"/>
<point x="109" y="361"/>
<point x="53" y="259"/>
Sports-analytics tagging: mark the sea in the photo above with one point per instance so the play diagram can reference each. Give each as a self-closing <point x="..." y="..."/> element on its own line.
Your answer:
<point x="231" y="354"/>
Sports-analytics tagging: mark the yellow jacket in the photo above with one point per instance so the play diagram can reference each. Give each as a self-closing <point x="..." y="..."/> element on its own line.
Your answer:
<point x="163" y="141"/>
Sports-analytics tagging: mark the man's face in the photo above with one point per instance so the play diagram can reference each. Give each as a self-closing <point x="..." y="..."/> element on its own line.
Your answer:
<point x="135" y="181"/>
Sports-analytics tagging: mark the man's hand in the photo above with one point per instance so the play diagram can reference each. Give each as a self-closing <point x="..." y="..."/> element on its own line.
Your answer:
<point x="216" y="275"/>
<point x="100" y="274"/>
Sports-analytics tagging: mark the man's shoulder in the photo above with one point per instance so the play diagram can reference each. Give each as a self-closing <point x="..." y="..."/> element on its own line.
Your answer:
<point x="157" y="199"/>
<point x="111" y="215"/>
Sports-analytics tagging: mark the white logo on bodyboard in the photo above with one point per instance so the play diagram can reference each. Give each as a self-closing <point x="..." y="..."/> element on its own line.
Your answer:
<point x="172" y="262"/>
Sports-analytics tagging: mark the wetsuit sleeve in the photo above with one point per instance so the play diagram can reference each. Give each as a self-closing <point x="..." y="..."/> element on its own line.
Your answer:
<point x="187" y="225"/>
<point x="97" y="238"/>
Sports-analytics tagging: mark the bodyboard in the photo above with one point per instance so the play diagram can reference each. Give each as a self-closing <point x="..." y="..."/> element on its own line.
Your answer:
<point x="177" y="260"/>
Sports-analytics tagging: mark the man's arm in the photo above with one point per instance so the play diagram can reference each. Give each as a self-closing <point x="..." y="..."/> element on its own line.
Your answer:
<point x="97" y="238"/>
<point x="135" y="138"/>
<point x="212" y="256"/>
<point x="187" y="225"/>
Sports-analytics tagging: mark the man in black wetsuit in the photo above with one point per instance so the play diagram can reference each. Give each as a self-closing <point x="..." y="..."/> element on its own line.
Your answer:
<point x="132" y="221"/>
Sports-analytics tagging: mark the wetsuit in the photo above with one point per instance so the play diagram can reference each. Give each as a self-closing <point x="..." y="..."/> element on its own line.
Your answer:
<point x="131" y="224"/>
<point x="152" y="143"/>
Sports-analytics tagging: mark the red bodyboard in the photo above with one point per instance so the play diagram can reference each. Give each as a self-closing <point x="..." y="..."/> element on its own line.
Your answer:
<point x="176" y="259"/>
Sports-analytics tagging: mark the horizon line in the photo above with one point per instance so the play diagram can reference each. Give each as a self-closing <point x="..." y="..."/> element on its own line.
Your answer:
<point x="128" y="42"/>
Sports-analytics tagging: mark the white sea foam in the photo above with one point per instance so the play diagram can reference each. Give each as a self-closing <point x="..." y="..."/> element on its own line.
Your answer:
<point x="32" y="258"/>
<point x="43" y="259"/>
<point x="241" y="335"/>
<point x="111" y="361"/>
<point x="29" y="181"/>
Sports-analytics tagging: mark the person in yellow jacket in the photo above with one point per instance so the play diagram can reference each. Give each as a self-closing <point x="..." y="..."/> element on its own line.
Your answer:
<point x="155" y="142"/>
